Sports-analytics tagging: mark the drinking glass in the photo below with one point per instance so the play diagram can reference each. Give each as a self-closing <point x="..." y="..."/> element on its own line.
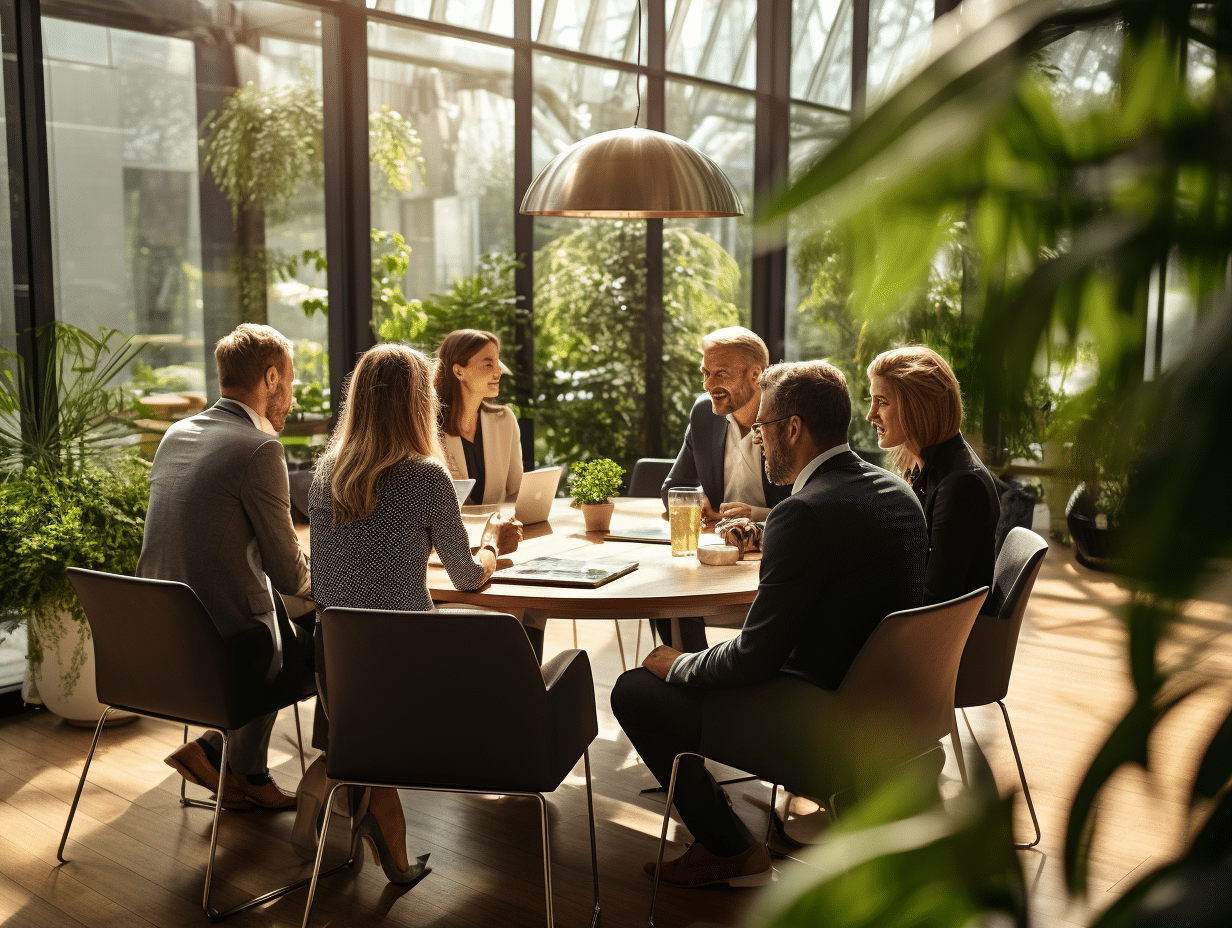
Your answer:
<point x="684" y="506"/>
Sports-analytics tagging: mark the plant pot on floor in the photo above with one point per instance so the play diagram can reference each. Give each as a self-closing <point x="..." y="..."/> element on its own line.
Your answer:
<point x="598" y="516"/>
<point x="64" y="678"/>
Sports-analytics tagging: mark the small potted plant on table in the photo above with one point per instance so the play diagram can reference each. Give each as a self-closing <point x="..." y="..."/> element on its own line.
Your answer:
<point x="593" y="483"/>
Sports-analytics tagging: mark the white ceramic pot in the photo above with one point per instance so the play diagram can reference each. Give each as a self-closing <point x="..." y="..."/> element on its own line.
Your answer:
<point x="64" y="678"/>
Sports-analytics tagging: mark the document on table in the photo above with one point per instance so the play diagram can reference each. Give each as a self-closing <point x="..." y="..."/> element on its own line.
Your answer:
<point x="564" y="571"/>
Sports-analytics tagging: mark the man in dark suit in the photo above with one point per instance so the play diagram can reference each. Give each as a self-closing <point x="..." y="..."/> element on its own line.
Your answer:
<point x="847" y="548"/>
<point x="719" y="453"/>
<point x="220" y="522"/>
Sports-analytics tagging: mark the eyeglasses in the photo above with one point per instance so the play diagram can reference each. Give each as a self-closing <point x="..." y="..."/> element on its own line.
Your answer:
<point x="757" y="426"/>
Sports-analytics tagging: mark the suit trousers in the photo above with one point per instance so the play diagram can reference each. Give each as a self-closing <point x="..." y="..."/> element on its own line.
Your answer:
<point x="662" y="721"/>
<point x="249" y="754"/>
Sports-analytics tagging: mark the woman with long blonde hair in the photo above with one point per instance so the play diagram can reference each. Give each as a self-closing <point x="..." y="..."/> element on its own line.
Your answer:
<point x="916" y="407"/>
<point x="381" y="500"/>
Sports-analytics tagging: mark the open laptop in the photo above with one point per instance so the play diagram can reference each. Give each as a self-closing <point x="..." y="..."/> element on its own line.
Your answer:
<point x="536" y="494"/>
<point x="463" y="489"/>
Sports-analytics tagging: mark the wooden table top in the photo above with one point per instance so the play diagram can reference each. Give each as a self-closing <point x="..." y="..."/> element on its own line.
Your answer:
<point x="662" y="587"/>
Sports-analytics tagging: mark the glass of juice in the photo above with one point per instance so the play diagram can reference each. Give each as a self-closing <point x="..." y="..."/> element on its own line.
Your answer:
<point x="684" y="506"/>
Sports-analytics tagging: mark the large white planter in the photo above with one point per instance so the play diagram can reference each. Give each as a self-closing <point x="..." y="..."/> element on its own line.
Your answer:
<point x="65" y="676"/>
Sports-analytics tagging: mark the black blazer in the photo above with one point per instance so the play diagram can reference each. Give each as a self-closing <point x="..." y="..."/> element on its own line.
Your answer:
<point x="962" y="508"/>
<point x="837" y="558"/>
<point x="700" y="461"/>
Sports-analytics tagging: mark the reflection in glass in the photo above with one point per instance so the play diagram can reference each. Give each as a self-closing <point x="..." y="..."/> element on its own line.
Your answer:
<point x="607" y="28"/>
<point x="495" y="16"/>
<point x="713" y="39"/>
<point x="166" y="255"/>
<point x="821" y="52"/>
<point x="898" y="40"/>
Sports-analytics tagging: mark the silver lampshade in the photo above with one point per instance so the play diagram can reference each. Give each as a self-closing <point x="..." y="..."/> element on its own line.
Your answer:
<point x="631" y="173"/>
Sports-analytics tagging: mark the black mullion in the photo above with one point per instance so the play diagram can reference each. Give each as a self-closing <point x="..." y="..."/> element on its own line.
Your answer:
<point x="524" y="230"/>
<point x="656" y="118"/>
<point x="859" y="58"/>
<point x="29" y="198"/>
<point x="771" y="147"/>
<point x="348" y="220"/>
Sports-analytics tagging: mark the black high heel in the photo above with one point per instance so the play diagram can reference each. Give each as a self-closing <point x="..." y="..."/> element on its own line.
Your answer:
<point x="369" y="828"/>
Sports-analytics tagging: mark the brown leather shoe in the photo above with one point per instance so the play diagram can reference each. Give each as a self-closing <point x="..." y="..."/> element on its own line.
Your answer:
<point x="191" y="763"/>
<point x="698" y="867"/>
<point x="240" y="796"/>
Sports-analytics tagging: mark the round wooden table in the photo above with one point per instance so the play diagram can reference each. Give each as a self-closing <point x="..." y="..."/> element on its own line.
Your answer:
<point x="662" y="586"/>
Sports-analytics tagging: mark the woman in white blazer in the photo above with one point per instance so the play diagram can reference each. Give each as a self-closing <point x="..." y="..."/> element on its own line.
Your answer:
<point x="481" y="439"/>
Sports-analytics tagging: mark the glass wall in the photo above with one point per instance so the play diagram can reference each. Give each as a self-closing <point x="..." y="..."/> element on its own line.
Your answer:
<point x="713" y="39"/>
<point x="8" y="319"/>
<point x="606" y="28"/>
<point x="186" y="182"/>
<point x="821" y="52"/>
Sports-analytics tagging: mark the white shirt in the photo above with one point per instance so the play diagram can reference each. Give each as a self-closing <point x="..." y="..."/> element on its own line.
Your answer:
<point x="803" y="476"/>
<point x="742" y="469"/>
<point x="257" y="419"/>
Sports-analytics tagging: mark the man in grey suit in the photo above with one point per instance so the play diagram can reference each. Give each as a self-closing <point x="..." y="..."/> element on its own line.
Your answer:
<point x="220" y="521"/>
<point x="719" y="453"/>
<point x="844" y="551"/>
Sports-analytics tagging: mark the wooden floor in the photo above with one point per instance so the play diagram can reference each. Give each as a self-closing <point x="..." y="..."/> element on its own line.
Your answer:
<point x="138" y="858"/>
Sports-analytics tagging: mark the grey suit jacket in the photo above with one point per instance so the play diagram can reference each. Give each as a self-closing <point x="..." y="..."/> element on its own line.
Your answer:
<point x="220" y="519"/>
<point x="700" y="462"/>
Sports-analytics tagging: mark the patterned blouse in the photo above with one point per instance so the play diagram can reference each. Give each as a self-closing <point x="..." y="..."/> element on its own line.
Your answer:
<point x="381" y="562"/>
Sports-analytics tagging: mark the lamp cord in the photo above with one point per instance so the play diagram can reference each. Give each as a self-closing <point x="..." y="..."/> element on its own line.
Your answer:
<point x="637" y="74"/>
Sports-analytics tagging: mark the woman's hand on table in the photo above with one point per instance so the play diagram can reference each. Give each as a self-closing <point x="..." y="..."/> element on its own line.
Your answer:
<point x="508" y="535"/>
<point x="659" y="661"/>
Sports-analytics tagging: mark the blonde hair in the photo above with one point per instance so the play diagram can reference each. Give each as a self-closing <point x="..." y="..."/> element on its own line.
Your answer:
<point x="244" y="355"/>
<point x="458" y="347"/>
<point x="747" y="343"/>
<point x="389" y="413"/>
<point x="928" y="396"/>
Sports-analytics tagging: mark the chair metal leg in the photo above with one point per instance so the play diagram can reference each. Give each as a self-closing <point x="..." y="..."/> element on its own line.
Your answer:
<point x="637" y="648"/>
<point x="958" y="751"/>
<point x="620" y="644"/>
<point x="667" y="814"/>
<point x="299" y="738"/>
<point x="547" y="856"/>
<point x="594" y="854"/>
<point x="774" y="792"/>
<point x="72" y="810"/>
<point x="316" y="867"/>
<point x="575" y="634"/>
<point x="1022" y="775"/>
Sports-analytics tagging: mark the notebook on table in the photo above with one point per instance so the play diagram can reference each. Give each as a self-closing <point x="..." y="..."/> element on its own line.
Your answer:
<point x="654" y="534"/>
<point x="535" y="495"/>
<point x="566" y="571"/>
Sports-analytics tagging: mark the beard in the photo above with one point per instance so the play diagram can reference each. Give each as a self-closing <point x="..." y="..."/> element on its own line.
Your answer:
<point x="778" y="467"/>
<point x="728" y="401"/>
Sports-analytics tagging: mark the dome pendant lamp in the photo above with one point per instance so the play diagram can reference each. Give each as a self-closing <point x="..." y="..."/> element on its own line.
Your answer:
<point x="632" y="173"/>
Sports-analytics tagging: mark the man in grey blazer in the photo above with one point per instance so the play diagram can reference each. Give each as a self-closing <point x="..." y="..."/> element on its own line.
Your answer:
<point x="844" y="551"/>
<point x="220" y="521"/>
<point x="718" y="453"/>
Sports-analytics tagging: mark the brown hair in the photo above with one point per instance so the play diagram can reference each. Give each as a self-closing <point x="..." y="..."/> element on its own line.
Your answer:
<point x="247" y="353"/>
<point x="928" y="396"/>
<point x="389" y="412"/>
<point x="816" y="391"/>
<point x="458" y="347"/>
<point x="747" y="343"/>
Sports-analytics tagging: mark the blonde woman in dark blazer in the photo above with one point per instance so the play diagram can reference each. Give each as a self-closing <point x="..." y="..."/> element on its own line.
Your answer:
<point x="480" y="438"/>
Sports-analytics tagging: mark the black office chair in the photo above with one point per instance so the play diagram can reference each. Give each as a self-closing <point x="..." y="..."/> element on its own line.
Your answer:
<point x="648" y="476"/>
<point x="891" y="709"/>
<point x="159" y="654"/>
<point x="454" y="702"/>
<point x="988" y="660"/>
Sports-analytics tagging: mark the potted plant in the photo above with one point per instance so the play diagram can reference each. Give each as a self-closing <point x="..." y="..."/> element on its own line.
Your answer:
<point x="72" y="492"/>
<point x="1093" y="515"/>
<point x="593" y="483"/>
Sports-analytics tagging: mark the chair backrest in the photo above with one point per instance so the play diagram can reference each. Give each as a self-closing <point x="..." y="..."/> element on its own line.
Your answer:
<point x="648" y="476"/>
<point x="904" y="675"/>
<point x="157" y="650"/>
<point x="988" y="658"/>
<point x="435" y="698"/>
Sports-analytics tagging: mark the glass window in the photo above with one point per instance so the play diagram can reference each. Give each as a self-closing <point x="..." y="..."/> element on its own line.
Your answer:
<point x="1085" y="66"/>
<point x="899" y="33"/>
<point x="607" y="28"/>
<point x="714" y="40"/>
<point x="821" y="52"/>
<point x="444" y="218"/>
<point x="495" y="16"/>
<point x="184" y="240"/>
<point x="8" y="313"/>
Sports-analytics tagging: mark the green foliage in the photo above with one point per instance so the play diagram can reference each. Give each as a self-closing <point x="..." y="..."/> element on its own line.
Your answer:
<point x="595" y="480"/>
<point x="391" y="256"/>
<point x="485" y="300"/>
<point x="394" y="146"/>
<point x="67" y="416"/>
<point x="92" y="517"/>
<point x="1070" y="215"/>
<point x="590" y="349"/>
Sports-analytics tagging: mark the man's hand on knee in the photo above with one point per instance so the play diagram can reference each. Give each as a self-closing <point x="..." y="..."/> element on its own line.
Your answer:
<point x="659" y="661"/>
